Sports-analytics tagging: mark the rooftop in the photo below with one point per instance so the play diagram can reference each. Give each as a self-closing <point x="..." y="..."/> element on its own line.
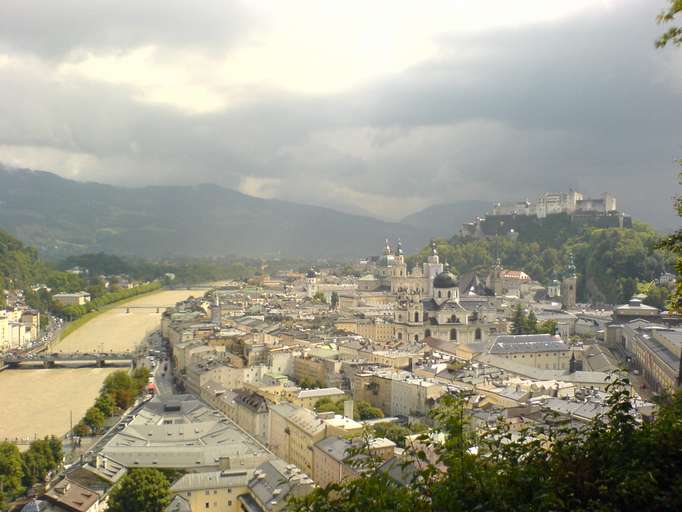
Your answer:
<point x="512" y="344"/>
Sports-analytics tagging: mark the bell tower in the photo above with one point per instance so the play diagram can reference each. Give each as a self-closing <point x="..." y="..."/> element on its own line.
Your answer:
<point x="569" y="285"/>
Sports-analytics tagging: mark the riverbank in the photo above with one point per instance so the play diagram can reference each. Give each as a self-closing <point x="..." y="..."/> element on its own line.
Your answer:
<point x="79" y="322"/>
<point x="39" y="402"/>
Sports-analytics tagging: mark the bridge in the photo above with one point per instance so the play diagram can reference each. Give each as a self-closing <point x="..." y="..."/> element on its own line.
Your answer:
<point x="50" y="360"/>
<point x="159" y="308"/>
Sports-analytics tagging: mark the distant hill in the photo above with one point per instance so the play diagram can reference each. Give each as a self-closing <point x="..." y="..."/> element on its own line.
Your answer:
<point x="444" y="220"/>
<point x="61" y="217"/>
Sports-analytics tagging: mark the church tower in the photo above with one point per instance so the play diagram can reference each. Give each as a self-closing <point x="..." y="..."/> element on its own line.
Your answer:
<point x="216" y="316"/>
<point x="569" y="285"/>
<point x="432" y="268"/>
<point x="311" y="283"/>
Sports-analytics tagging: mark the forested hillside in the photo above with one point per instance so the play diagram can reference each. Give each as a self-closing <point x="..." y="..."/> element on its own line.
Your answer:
<point x="610" y="262"/>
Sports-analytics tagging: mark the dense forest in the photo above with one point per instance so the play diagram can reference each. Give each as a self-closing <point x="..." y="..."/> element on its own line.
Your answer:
<point x="612" y="263"/>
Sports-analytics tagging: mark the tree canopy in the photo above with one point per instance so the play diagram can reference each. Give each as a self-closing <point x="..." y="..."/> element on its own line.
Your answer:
<point x="141" y="490"/>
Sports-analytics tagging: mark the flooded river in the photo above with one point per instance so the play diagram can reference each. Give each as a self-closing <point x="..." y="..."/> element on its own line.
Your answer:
<point x="39" y="402"/>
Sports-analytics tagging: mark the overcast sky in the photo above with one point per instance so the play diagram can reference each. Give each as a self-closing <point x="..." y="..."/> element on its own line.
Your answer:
<point x="383" y="107"/>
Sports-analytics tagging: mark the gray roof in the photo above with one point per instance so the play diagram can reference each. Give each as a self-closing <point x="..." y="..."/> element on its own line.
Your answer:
<point x="212" y="480"/>
<point x="273" y="482"/>
<point x="512" y="344"/>
<point x="196" y="436"/>
<point x="178" y="504"/>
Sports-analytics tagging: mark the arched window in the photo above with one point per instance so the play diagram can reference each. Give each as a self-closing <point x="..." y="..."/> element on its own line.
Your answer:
<point x="427" y="333"/>
<point x="416" y="316"/>
<point x="449" y="294"/>
<point x="453" y="334"/>
<point x="400" y="336"/>
<point x="439" y="294"/>
<point x="416" y="337"/>
<point x="400" y="318"/>
<point x="477" y="334"/>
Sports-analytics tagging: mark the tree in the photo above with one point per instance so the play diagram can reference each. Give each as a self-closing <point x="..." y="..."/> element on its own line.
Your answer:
<point x="42" y="456"/>
<point x="393" y="431"/>
<point x="94" y="419"/>
<point x="547" y="327"/>
<point x="141" y="490"/>
<point x="519" y="320"/>
<point x="319" y="297"/>
<point x="673" y="34"/>
<point x="11" y="473"/>
<point x="531" y="323"/>
<point x="326" y="404"/>
<point x="365" y="411"/>
<point x="613" y="463"/>
<point x="105" y="404"/>
<point x="334" y="300"/>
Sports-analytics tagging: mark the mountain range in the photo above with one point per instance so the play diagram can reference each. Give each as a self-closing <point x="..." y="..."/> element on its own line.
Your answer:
<point x="61" y="217"/>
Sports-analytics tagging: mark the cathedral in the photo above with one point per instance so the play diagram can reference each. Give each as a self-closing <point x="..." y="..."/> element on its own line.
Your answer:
<point x="394" y="275"/>
<point x="428" y="301"/>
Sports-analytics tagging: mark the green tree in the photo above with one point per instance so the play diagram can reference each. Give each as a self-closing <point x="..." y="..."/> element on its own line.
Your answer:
<point x="365" y="411"/>
<point x="42" y="456"/>
<point x="334" y="300"/>
<point x="673" y="34"/>
<point x="393" y="431"/>
<point x="547" y="327"/>
<point x="519" y="321"/>
<point x="614" y="463"/>
<point x="105" y="404"/>
<point x="94" y="419"/>
<point x="326" y="404"/>
<point x="141" y="490"/>
<point x="11" y="473"/>
<point x="531" y="323"/>
<point x="319" y="297"/>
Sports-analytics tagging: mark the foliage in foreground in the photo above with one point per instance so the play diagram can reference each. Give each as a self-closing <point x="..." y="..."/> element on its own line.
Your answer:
<point x="614" y="464"/>
<point x="19" y="471"/>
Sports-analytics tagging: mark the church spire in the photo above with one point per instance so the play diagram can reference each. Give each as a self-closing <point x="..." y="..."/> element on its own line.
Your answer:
<point x="571" y="265"/>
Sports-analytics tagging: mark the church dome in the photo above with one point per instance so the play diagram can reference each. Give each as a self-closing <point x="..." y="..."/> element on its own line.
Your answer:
<point x="311" y="273"/>
<point x="445" y="280"/>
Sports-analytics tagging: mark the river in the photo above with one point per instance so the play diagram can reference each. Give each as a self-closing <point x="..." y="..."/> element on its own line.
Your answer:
<point x="38" y="402"/>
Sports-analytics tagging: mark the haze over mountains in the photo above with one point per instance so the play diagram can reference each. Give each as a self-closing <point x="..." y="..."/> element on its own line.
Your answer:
<point x="62" y="217"/>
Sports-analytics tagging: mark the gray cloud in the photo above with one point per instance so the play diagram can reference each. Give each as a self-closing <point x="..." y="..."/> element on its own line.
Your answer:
<point x="52" y="29"/>
<point x="585" y="103"/>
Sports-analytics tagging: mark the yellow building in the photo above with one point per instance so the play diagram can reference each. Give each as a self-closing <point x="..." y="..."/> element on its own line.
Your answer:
<point x="215" y="491"/>
<point x="292" y="433"/>
<point x="330" y="458"/>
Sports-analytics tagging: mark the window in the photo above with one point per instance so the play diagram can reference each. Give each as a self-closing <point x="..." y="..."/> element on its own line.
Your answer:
<point x="449" y="294"/>
<point x="416" y="337"/>
<point x="477" y="334"/>
<point x="428" y="333"/>
<point x="400" y="336"/>
<point x="207" y="505"/>
<point x="439" y="294"/>
<point x="416" y="316"/>
<point x="453" y="334"/>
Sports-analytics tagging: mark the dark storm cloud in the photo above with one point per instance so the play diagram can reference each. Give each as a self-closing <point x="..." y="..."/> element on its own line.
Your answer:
<point x="585" y="103"/>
